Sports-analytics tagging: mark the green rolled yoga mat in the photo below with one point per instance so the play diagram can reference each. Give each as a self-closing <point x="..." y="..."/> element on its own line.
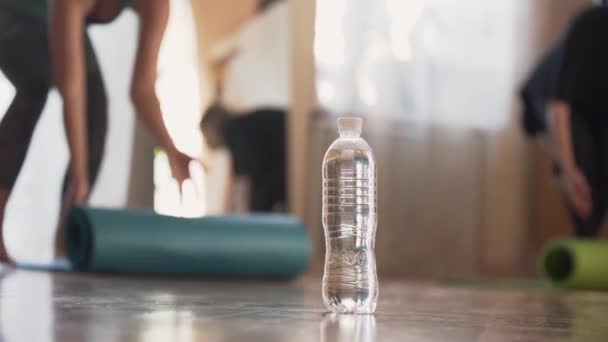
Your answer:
<point x="143" y="242"/>
<point x="576" y="263"/>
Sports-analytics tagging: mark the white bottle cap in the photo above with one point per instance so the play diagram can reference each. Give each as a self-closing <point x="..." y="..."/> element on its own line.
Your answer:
<point x="350" y="124"/>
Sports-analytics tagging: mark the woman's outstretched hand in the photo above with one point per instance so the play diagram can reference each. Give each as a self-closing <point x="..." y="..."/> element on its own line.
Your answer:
<point x="179" y="163"/>
<point x="577" y="190"/>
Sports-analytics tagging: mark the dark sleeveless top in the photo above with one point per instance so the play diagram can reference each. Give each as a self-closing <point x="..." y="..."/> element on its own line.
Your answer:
<point x="38" y="8"/>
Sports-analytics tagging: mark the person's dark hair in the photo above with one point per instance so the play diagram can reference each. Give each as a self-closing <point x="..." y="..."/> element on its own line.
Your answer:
<point x="264" y="4"/>
<point x="215" y="115"/>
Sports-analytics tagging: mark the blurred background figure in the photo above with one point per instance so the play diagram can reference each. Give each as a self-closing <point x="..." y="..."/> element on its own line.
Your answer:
<point x="248" y="117"/>
<point x="565" y="98"/>
<point x="45" y="45"/>
<point x="256" y="142"/>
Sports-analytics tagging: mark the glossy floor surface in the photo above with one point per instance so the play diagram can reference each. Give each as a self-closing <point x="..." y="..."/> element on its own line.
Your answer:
<point x="68" y="307"/>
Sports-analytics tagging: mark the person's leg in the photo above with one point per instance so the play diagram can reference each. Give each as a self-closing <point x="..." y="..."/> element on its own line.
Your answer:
<point x="268" y="186"/>
<point x="277" y="167"/>
<point x="23" y="51"/>
<point x="97" y="124"/>
<point x="4" y="257"/>
<point x="16" y="131"/>
<point x="281" y="163"/>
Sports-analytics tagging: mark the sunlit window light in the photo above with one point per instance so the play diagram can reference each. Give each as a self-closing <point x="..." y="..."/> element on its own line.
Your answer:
<point x="331" y="44"/>
<point x="367" y="88"/>
<point x="326" y="91"/>
<point x="178" y="88"/>
<point x="417" y="61"/>
<point x="368" y="92"/>
<point x="403" y="17"/>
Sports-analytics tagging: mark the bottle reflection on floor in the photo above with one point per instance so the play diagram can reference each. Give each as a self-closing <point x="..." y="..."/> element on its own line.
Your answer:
<point x="348" y="328"/>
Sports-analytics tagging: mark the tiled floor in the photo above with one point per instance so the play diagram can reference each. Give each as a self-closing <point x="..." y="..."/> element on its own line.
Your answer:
<point x="68" y="307"/>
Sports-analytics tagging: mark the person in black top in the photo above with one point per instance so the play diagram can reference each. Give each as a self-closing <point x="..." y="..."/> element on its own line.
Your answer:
<point x="256" y="141"/>
<point x="251" y="74"/>
<point x="577" y="121"/>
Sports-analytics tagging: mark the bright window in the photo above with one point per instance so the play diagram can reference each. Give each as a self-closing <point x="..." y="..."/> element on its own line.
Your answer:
<point x="178" y="88"/>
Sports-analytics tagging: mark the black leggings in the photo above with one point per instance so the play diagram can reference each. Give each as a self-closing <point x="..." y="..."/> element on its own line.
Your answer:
<point x="24" y="60"/>
<point x="590" y="145"/>
<point x="257" y="144"/>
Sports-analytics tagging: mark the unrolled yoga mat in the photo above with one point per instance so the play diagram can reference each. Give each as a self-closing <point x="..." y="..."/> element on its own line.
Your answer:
<point x="143" y="242"/>
<point x="576" y="263"/>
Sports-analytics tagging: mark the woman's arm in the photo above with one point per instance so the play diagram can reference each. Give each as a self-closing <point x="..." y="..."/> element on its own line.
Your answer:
<point x="560" y="134"/>
<point x="154" y="15"/>
<point x="228" y="192"/>
<point x="574" y="182"/>
<point x="68" y="68"/>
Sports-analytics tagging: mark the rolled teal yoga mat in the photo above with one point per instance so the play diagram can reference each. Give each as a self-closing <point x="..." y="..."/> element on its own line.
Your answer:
<point x="576" y="264"/>
<point x="143" y="242"/>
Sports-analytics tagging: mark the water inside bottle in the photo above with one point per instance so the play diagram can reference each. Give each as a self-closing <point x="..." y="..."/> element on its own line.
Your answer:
<point x="349" y="219"/>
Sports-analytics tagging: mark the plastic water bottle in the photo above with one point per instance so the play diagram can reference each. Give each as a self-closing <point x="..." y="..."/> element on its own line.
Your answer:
<point x="350" y="282"/>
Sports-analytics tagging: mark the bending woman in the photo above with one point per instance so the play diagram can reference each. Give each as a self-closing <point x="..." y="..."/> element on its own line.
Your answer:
<point x="44" y="44"/>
